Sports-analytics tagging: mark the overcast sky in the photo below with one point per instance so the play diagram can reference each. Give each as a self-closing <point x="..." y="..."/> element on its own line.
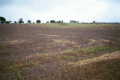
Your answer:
<point x="81" y="10"/>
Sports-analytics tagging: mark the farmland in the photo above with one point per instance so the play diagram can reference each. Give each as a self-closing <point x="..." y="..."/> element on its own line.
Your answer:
<point x="59" y="51"/>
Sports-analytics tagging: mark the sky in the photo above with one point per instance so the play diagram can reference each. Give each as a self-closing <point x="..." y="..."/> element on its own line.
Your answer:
<point x="45" y="10"/>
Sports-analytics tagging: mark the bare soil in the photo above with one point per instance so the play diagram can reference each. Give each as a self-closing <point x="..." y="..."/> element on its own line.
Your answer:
<point x="31" y="52"/>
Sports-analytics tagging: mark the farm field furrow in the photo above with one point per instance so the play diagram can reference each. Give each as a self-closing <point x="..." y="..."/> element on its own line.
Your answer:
<point x="53" y="52"/>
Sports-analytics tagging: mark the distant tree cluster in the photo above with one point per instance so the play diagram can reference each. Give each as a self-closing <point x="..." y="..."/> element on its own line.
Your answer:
<point x="4" y="21"/>
<point x="73" y="21"/>
<point x="94" y="22"/>
<point x="60" y="21"/>
<point x="29" y="22"/>
<point x="53" y="21"/>
<point x="38" y="21"/>
<point x="21" y="21"/>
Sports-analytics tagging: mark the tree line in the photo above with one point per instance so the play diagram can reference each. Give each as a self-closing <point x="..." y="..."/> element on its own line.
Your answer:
<point x="3" y="20"/>
<point x="21" y="21"/>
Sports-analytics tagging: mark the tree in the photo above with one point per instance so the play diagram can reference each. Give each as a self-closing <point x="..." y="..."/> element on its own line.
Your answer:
<point x="8" y="22"/>
<point x="52" y="21"/>
<point x="47" y="22"/>
<point x="21" y="21"/>
<point x="94" y="22"/>
<point x="60" y="21"/>
<point x="29" y="21"/>
<point x="15" y="22"/>
<point x="2" y="20"/>
<point x="38" y="21"/>
<point x="73" y="21"/>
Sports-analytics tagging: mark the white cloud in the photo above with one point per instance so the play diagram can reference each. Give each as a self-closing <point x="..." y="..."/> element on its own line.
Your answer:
<point x="82" y="10"/>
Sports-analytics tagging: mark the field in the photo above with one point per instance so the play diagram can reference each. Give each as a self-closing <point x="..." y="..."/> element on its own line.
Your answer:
<point x="59" y="51"/>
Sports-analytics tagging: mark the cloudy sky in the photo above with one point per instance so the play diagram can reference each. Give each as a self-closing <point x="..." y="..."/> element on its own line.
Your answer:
<point x="81" y="10"/>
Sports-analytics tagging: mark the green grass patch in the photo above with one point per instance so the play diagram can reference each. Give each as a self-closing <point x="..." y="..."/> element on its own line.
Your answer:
<point x="8" y="67"/>
<point x="17" y="71"/>
<point x="99" y="49"/>
<point x="75" y="25"/>
<point x="9" y="71"/>
<point x="2" y="46"/>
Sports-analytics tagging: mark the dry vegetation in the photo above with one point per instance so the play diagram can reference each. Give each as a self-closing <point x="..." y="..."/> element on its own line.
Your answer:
<point x="48" y="52"/>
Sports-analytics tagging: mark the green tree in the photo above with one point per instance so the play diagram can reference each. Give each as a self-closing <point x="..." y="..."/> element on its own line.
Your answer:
<point x="29" y="21"/>
<point x="38" y="21"/>
<point x="15" y="22"/>
<point x="74" y="22"/>
<point x="52" y="21"/>
<point x="60" y="21"/>
<point x="8" y="22"/>
<point x="21" y="21"/>
<point x="94" y="22"/>
<point x="2" y="20"/>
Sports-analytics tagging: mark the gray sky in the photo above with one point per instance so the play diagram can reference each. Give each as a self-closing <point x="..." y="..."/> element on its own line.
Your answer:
<point x="81" y="10"/>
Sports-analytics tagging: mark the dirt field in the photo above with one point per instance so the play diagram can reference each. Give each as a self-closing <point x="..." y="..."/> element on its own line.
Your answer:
<point x="48" y="51"/>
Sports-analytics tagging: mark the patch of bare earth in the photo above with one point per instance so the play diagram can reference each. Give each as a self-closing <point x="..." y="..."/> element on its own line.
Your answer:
<point x="105" y="67"/>
<point x="39" y="52"/>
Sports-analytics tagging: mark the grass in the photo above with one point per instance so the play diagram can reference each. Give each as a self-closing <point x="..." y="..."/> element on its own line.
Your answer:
<point x="72" y="55"/>
<point x="8" y="70"/>
<point x="68" y="65"/>
<point x="100" y="49"/>
<point x="17" y="71"/>
<point x="105" y="67"/>
<point x="69" y="55"/>
<point x="2" y="46"/>
<point x="71" y="25"/>
<point x="97" y="49"/>
<point x="99" y="68"/>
